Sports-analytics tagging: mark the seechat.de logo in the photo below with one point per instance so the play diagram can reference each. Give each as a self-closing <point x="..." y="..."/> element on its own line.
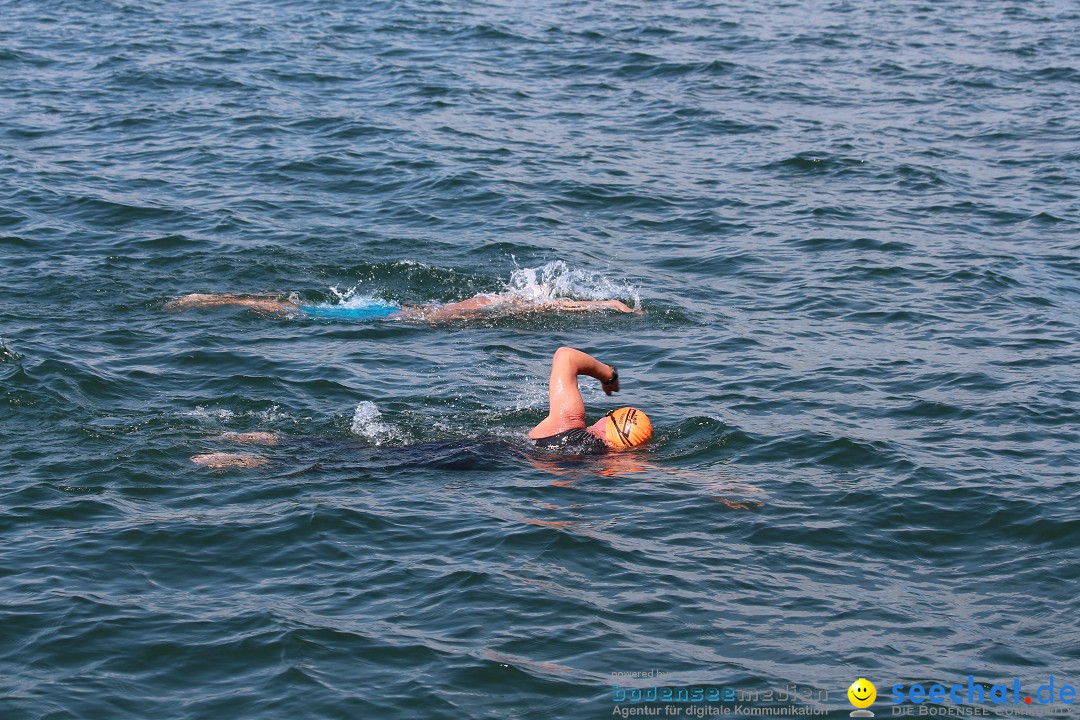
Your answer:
<point x="862" y="694"/>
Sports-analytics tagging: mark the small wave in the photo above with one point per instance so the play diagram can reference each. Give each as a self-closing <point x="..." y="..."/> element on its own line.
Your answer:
<point x="367" y="422"/>
<point x="557" y="280"/>
<point x="819" y="162"/>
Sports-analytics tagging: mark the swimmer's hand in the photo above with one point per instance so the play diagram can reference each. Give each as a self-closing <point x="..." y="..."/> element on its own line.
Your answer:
<point x="621" y="306"/>
<point x="612" y="385"/>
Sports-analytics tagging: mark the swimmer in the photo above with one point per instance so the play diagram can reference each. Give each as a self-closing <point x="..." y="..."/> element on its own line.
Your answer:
<point x="276" y="306"/>
<point x="565" y="428"/>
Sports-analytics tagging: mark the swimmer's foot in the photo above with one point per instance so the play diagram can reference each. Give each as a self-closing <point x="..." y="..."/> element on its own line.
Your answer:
<point x="229" y="460"/>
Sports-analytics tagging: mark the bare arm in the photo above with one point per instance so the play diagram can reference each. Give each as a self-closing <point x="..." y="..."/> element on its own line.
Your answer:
<point x="507" y="304"/>
<point x="584" y="305"/>
<point x="566" y="409"/>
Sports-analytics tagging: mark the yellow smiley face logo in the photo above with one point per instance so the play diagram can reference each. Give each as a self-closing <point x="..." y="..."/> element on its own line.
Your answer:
<point x="862" y="693"/>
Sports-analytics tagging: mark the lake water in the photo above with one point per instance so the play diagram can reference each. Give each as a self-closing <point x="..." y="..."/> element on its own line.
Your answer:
<point x="852" y="228"/>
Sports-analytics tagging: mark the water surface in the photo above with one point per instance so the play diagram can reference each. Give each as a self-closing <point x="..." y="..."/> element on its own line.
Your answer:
<point x="852" y="228"/>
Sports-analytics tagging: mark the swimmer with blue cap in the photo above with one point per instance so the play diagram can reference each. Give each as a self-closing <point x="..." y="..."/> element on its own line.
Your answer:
<point x="275" y="306"/>
<point x="565" y="428"/>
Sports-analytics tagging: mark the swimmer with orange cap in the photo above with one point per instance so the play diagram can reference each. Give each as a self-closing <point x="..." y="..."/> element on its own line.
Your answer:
<point x="565" y="428"/>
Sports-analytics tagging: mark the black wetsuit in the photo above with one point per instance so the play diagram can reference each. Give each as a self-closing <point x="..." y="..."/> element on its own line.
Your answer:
<point x="576" y="440"/>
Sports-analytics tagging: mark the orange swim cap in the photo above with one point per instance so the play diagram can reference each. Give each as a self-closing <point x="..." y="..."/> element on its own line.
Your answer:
<point x="627" y="427"/>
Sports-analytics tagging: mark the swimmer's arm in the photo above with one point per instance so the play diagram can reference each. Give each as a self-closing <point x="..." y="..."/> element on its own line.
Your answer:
<point x="479" y="303"/>
<point x="566" y="409"/>
<point x="586" y="305"/>
<point x="270" y="304"/>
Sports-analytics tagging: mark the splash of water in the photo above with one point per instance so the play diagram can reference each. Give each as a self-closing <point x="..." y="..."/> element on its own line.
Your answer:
<point x="224" y="415"/>
<point x="367" y="422"/>
<point x="7" y="354"/>
<point x="210" y="414"/>
<point x="553" y="281"/>
<point x="352" y="298"/>
<point x="557" y="280"/>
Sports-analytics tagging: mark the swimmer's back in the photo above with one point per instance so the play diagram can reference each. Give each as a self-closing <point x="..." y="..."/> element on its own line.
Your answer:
<point x="575" y="440"/>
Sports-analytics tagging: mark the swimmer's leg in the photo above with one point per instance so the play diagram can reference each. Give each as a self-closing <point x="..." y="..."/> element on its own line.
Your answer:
<point x="220" y="460"/>
<point x="268" y="304"/>
<point x="229" y="460"/>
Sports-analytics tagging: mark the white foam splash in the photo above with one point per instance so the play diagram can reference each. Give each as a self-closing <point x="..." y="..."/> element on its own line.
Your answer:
<point x="367" y="423"/>
<point x="223" y="415"/>
<point x="203" y="413"/>
<point x="7" y="354"/>
<point x="352" y="298"/>
<point x="274" y="414"/>
<point x="557" y="280"/>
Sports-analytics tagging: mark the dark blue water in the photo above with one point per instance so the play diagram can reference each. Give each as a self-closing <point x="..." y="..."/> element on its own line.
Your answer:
<point x="852" y="228"/>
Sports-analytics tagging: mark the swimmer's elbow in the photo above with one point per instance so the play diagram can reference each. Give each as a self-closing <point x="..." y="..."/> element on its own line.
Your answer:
<point x="568" y="362"/>
<point x="563" y="353"/>
<point x="564" y="357"/>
